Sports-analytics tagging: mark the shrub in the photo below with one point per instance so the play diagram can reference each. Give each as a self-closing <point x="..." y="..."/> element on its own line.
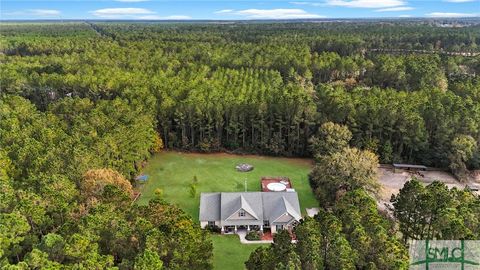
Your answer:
<point x="253" y="236"/>
<point x="213" y="228"/>
<point x="157" y="144"/>
<point x="192" y="190"/>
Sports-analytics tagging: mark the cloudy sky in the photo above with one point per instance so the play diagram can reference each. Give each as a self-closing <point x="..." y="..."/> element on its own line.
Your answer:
<point x="226" y="10"/>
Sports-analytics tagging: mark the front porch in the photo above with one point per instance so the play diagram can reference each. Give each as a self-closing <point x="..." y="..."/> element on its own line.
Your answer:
<point x="233" y="229"/>
<point x="266" y="233"/>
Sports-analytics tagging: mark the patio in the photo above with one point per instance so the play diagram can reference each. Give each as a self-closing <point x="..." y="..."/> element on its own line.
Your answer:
<point x="265" y="181"/>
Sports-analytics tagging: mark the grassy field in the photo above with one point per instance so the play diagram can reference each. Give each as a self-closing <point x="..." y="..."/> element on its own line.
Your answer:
<point x="229" y="253"/>
<point x="173" y="172"/>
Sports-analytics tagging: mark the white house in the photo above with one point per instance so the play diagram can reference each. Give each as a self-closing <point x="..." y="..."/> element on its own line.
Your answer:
<point x="249" y="210"/>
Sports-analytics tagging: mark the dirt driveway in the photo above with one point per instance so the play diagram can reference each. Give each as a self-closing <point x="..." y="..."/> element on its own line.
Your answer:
<point x="392" y="181"/>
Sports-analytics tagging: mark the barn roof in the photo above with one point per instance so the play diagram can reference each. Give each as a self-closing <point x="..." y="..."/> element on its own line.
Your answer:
<point x="412" y="166"/>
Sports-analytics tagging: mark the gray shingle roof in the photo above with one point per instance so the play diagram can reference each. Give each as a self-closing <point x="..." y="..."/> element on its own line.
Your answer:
<point x="231" y="202"/>
<point x="413" y="166"/>
<point x="276" y="204"/>
<point x="209" y="206"/>
<point x="261" y="205"/>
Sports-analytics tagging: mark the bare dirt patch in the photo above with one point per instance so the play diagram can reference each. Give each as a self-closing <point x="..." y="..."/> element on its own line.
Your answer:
<point x="392" y="181"/>
<point x="476" y="176"/>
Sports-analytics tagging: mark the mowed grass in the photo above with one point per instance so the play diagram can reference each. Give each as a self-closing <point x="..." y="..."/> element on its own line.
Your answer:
<point x="229" y="253"/>
<point x="172" y="172"/>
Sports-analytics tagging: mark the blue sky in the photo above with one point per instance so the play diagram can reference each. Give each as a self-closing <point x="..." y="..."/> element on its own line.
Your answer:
<point x="226" y="10"/>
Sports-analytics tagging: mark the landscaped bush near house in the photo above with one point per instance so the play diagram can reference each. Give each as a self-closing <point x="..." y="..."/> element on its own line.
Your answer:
<point x="253" y="236"/>
<point x="213" y="228"/>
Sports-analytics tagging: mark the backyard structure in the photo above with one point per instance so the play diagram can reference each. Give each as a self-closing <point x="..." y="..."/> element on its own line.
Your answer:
<point x="408" y="167"/>
<point x="244" y="167"/>
<point x="233" y="211"/>
<point x="276" y="184"/>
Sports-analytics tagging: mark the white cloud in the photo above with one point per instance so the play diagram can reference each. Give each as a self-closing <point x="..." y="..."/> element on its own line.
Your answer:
<point x="404" y="16"/>
<point x="314" y="4"/>
<point x="171" y="17"/>
<point x="35" y="12"/>
<point x="112" y="13"/>
<point x="394" y="9"/>
<point x="366" y="3"/>
<point x="450" y="15"/>
<point x="458" y="1"/>
<point x="223" y="11"/>
<point x="132" y="1"/>
<point x="287" y="13"/>
<point x="44" y="12"/>
<point x="134" y="14"/>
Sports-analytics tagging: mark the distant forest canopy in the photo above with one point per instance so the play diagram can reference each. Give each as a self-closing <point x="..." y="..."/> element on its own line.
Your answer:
<point x="262" y="87"/>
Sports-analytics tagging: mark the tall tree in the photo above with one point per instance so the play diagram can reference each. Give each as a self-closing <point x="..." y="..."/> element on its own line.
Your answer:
<point x="346" y="170"/>
<point x="330" y="138"/>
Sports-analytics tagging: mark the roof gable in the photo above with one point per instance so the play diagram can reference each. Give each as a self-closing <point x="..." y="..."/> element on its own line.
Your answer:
<point x="250" y="202"/>
<point x="277" y="204"/>
<point x="242" y="204"/>
<point x="246" y="206"/>
<point x="285" y="218"/>
<point x="284" y="207"/>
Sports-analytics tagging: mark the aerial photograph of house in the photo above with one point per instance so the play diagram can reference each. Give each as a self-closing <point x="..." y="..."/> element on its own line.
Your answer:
<point x="260" y="211"/>
<point x="239" y="135"/>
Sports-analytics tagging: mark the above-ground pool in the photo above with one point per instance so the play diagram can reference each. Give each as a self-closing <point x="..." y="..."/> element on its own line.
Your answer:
<point x="276" y="187"/>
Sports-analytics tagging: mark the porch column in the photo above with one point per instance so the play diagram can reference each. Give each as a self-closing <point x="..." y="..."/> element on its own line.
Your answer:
<point x="222" y="230"/>
<point x="261" y="229"/>
<point x="235" y="228"/>
<point x="248" y="228"/>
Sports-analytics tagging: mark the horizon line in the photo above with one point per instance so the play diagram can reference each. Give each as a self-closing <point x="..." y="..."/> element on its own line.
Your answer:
<point x="259" y="19"/>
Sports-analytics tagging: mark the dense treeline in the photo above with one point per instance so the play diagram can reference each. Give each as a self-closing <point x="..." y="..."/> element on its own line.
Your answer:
<point x="436" y="212"/>
<point x="59" y="209"/>
<point x="262" y="88"/>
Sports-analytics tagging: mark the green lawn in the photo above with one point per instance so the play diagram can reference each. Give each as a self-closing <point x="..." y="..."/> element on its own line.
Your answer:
<point x="229" y="253"/>
<point x="173" y="172"/>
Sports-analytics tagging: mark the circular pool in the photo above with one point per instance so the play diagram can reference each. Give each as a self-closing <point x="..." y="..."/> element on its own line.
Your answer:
<point x="276" y="187"/>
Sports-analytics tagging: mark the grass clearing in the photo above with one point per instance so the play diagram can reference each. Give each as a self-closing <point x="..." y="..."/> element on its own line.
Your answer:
<point x="229" y="253"/>
<point x="174" y="171"/>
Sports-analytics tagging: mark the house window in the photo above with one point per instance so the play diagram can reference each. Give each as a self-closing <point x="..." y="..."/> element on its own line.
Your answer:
<point x="279" y="227"/>
<point x="211" y="223"/>
<point x="241" y="213"/>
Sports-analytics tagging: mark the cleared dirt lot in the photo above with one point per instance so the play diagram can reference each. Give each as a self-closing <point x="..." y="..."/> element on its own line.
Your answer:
<point x="392" y="181"/>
